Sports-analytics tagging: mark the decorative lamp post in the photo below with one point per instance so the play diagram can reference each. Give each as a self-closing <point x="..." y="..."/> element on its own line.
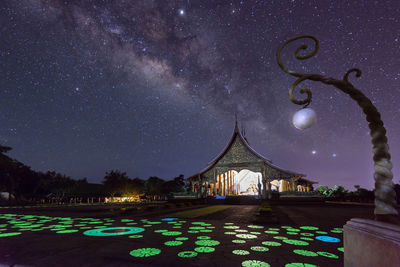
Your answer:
<point x="384" y="193"/>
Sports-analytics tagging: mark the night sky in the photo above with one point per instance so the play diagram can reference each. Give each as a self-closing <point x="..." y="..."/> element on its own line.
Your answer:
<point x="151" y="87"/>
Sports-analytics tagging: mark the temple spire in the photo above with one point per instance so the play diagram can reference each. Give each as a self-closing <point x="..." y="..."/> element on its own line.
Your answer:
<point x="236" y="124"/>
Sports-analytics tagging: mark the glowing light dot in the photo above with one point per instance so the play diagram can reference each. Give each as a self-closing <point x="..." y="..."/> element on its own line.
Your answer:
<point x="240" y="252"/>
<point x="187" y="254"/>
<point x="145" y="252"/>
<point x="255" y="263"/>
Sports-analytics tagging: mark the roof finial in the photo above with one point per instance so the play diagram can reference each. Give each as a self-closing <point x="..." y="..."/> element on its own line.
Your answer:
<point x="236" y="123"/>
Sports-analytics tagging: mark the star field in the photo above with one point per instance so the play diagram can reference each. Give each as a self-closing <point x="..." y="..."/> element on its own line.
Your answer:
<point x="152" y="87"/>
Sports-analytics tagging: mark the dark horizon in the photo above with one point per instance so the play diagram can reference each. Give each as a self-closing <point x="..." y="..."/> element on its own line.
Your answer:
<point x="152" y="89"/>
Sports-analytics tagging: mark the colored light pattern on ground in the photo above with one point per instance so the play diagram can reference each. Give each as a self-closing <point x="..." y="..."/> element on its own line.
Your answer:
<point x="305" y="253"/>
<point x="240" y="252"/>
<point x="187" y="254"/>
<point x="259" y="248"/>
<point x="299" y="264"/>
<point x="173" y="243"/>
<point x="145" y="252"/>
<point x="250" y="242"/>
<point x="204" y="249"/>
<point x="207" y="243"/>
<point x="115" y="231"/>
<point x="327" y="254"/>
<point x="272" y="243"/>
<point x="254" y="263"/>
<point x="329" y="239"/>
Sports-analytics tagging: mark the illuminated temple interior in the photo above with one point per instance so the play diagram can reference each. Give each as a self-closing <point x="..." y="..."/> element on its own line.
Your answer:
<point x="240" y="171"/>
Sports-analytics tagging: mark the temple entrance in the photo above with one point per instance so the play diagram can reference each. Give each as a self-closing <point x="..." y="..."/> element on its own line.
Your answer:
<point x="243" y="183"/>
<point x="248" y="183"/>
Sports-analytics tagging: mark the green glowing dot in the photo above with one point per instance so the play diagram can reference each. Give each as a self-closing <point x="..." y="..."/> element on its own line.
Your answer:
<point x="254" y="263"/>
<point x="201" y="223"/>
<point x="196" y="228"/>
<point x="255" y="226"/>
<point x="295" y="242"/>
<point x="181" y="238"/>
<point x="229" y="223"/>
<point x="307" y="234"/>
<point x="286" y="226"/>
<point x="246" y="236"/>
<point x="337" y="231"/>
<point x="135" y="236"/>
<point x="309" y="228"/>
<point x="341" y="249"/>
<point x="177" y="227"/>
<point x="172" y="233"/>
<point x="307" y="238"/>
<point x="230" y="233"/>
<point x="173" y="243"/>
<point x="271" y="232"/>
<point x="192" y="231"/>
<point x="154" y="222"/>
<point x="305" y="253"/>
<point x="204" y="237"/>
<point x="10" y="234"/>
<point x="292" y="233"/>
<point x="239" y="241"/>
<point x="259" y="248"/>
<point x="147" y="225"/>
<point x="272" y="243"/>
<point x="160" y="231"/>
<point x="66" y="231"/>
<point x="231" y="227"/>
<point x="273" y="229"/>
<point x="205" y="231"/>
<point x="327" y="254"/>
<point x="240" y="252"/>
<point x="255" y="233"/>
<point x="241" y="231"/>
<point x="187" y="254"/>
<point x="132" y="223"/>
<point x="292" y="230"/>
<point x="145" y="252"/>
<point x="321" y="232"/>
<point x="299" y="264"/>
<point x="207" y="243"/>
<point x="280" y="237"/>
<point x="204" y="249"/>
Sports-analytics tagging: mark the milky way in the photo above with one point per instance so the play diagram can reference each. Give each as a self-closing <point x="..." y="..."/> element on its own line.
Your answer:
<point x="152" y="87"/>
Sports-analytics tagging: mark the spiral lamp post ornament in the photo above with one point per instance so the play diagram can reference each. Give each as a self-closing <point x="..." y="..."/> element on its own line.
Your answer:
<point x="384" y="193"/>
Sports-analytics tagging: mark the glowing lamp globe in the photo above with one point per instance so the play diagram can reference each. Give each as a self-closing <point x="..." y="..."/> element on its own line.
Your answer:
<point x="304" y="118"/>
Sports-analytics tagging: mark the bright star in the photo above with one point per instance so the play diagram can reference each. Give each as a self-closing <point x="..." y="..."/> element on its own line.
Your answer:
<point x="334" y="155"/>
<point x="314" y="152"/>
<point x="181" y="12"/>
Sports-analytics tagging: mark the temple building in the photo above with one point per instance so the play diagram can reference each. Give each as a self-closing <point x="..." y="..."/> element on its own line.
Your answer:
<point x="240" y="171"/>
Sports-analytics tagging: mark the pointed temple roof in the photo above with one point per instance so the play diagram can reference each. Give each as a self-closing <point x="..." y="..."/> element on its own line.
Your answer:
<point x="239" y="144"/>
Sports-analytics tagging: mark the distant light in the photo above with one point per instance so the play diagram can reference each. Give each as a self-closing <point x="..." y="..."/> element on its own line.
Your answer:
<point x="314" y="152"/>
<point x="181" y="12"/>
<point x="334" y="155"/>
<point x="304" y="118"/>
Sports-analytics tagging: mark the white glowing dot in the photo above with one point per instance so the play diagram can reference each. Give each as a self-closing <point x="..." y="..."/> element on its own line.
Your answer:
<point x="314" y="152"/>
<point x="181" y="12"/>
<point x="334" y="155"/>
<point x="77" y="89"/>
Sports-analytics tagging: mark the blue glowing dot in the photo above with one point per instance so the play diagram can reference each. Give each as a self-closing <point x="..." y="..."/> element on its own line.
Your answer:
<point x="169" y="219"/>
<point x="330" y="239"/>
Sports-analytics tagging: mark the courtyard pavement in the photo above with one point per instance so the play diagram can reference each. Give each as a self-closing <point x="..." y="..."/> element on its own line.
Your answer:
<point x="307" y="235"/>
